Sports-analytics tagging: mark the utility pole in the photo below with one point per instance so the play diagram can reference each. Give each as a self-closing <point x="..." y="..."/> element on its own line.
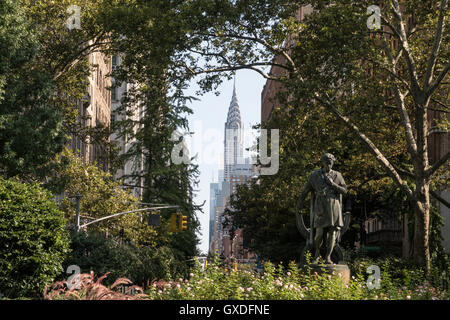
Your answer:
<point x="77" y="217"/>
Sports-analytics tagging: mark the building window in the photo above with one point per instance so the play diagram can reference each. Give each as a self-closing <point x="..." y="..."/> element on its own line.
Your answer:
<point x="114" y="93"/>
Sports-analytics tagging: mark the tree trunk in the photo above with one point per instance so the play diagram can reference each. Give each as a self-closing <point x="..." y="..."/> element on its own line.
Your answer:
<point x="421" y="207"/>
<point x="406" y="245"/>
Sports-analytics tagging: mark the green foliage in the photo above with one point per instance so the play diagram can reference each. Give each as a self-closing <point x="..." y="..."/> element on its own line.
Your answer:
<point x="33" y="239"/>
<point x="94" y="252"/>
<point x="30" y="128"/>
<point x="402" y="273"/>
<point x="101" y="196"/>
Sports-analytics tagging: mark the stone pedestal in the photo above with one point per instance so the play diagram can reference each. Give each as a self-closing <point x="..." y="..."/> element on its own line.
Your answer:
<point x="341" y="270"/>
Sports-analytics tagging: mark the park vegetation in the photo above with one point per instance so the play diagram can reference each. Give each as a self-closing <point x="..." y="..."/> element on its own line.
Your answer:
<point x="363" y="95"/>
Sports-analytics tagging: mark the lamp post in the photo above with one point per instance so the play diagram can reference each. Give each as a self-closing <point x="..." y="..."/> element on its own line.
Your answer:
<point x="77" y="197"/>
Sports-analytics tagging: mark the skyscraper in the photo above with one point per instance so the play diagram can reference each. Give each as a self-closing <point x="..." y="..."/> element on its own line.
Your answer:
<point x="237" y="170"/>
<point x="233" y="143"/>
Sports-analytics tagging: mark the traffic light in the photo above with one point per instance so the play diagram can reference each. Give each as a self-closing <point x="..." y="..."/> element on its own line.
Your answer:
<point x="173" y="222"/>
<point x="183" y="222"/>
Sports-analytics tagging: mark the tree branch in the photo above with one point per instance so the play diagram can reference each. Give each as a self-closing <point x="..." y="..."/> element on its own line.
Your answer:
<point x="433" y="86"/>
<point x="436" y="46"/>
<point x="403" y="171"/>
<point x="404" y="43"/>
<point x="411" y="141"/>
<point x="440" y="199"/>
<point x="257" y="40"/>
<point x="441" y="104"/>
<point x="251" y="66"/>
<point x="431" y="170"/>
<point x="371" y="146"/>
<point x="74" y="59"/>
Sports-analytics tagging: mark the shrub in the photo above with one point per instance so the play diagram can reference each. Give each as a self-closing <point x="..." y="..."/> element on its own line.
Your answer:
<point x="90" y="288"/>
<point x="275" y="283"/>
<point x="94" y="252"/>
<point x="284" y="283"/>
<point x="33" y="239"/>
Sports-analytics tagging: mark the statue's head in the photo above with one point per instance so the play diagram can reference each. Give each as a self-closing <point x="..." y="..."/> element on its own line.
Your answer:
<point x="328" y="160"/>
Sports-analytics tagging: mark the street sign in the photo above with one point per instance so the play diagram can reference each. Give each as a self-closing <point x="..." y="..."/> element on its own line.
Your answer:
<point x="154" y="219"/>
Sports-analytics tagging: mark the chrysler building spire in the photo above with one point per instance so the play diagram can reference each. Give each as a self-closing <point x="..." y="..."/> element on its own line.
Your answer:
<point x="233" y="135"/>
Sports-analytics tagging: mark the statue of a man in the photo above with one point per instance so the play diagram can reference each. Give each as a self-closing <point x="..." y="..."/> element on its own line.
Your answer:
<point x="326" y="185"/>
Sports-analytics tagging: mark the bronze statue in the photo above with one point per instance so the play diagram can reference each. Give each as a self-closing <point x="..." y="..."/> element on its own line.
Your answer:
<point x="327" y="187"/>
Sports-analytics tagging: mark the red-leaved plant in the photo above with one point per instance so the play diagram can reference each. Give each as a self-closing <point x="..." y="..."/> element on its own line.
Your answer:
<point x="88" y="288"/>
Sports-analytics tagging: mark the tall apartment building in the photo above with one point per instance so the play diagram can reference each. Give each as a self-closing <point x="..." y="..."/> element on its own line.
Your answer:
<point x="271" y="88"/>
<point x="135" y="113"/>
<point x="100" y="110"/>
<point x="95" y="112"/>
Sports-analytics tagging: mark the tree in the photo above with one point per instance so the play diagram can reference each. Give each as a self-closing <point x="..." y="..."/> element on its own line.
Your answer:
<point x="101" y="196"/>
<point x="33" y="239"/>
<point x="331" y="60"/>
<point x="126" y="28"/>
<point x="25" y="91"/>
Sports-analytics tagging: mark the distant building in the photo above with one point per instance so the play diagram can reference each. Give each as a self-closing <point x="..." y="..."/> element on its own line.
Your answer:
<point x="269" y="102"/>
<point x="213" y="190"/>
<point x="234" y="135"/>
<point x="237" y="170"/>
<point x="94" y="112"/>
<point x="438" y="147"/>
<point x="132" y="170"/>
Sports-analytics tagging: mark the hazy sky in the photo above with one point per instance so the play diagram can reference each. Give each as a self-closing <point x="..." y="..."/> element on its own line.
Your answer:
<point x="207" y="123"/>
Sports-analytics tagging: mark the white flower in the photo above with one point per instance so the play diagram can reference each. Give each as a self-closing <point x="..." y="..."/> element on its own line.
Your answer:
<point x="408" y="297"/>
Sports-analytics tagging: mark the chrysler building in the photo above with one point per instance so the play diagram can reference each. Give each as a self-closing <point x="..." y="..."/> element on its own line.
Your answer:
<point x="233" y="144"/>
